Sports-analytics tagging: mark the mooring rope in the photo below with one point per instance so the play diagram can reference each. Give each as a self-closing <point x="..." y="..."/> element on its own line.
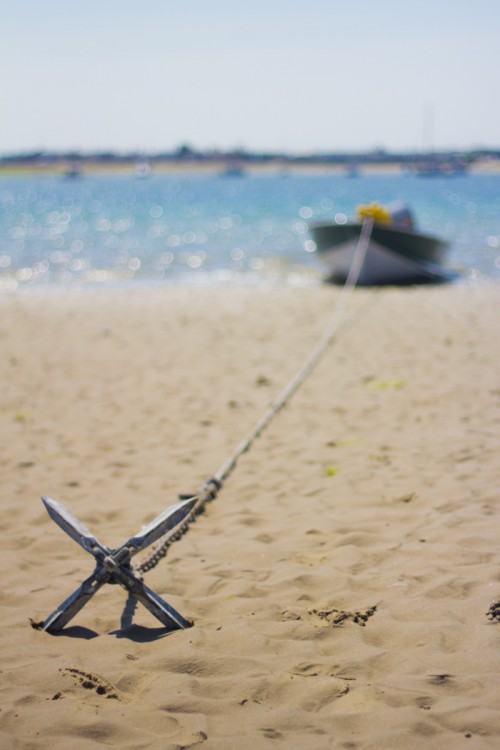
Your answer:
<point x="210" y="489"/>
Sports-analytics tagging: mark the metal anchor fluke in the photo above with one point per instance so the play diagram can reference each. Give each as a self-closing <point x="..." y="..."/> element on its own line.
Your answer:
<point x="113" y="566"/>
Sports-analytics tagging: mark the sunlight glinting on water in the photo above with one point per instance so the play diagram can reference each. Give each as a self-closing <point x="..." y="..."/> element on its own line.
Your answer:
<point x="203" y="228"/>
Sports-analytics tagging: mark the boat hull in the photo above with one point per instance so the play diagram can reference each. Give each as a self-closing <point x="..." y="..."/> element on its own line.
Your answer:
<point x="394" y="256"/>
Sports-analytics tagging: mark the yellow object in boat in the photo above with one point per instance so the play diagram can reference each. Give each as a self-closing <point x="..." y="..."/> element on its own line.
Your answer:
<point x="378" y="213"/>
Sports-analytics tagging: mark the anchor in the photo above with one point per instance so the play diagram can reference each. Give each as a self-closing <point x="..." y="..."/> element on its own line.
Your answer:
<point x="113" y="566"/>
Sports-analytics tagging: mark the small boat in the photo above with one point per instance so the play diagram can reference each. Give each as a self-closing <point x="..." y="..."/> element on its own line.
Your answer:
<point x="352" y="170"/>
<point x="439" y="168"/>
<point x="397" y="253"/>
<point x="143" y="169"/>
<point x="73" y="171"/>
<point x="232" y="169"/>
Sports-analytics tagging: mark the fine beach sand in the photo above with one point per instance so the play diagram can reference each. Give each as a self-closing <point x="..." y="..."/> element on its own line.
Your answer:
<point x="340" y="582"/>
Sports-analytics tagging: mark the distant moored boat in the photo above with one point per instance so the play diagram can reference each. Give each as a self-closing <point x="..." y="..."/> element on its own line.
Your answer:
<point x="396" y="254"/>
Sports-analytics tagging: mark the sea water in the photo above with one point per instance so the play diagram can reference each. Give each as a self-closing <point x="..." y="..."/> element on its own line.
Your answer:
<point x="198" y="228"/>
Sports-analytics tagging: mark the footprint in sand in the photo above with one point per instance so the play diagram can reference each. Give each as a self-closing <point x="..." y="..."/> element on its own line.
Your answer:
<point x="337" y="617"/>
<point x="95" y="682"/>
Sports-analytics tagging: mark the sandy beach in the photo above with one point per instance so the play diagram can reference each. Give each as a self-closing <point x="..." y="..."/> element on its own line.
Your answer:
<point x="340" y="583"/>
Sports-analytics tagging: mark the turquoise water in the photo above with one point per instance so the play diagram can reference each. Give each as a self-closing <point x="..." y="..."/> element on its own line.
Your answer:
<point x="204" y="228"/>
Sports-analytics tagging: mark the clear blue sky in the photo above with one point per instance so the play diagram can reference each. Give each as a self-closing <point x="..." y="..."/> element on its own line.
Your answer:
<point x="264" y="74"/>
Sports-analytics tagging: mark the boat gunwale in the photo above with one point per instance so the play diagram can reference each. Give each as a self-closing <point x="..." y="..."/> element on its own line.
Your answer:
<point x="393" y="238"/>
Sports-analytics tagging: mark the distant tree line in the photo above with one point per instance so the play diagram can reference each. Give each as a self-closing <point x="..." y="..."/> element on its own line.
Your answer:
<point x="186" y="154"/>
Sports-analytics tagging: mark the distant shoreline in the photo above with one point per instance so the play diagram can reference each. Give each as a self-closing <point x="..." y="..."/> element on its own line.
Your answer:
<point x="96" y="167"/>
